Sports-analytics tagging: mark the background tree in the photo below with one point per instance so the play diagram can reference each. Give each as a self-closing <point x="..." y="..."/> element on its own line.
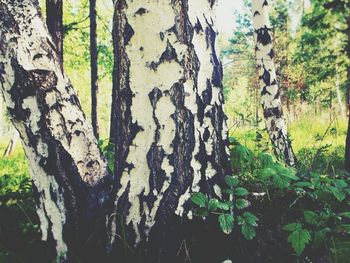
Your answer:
<point x="54" y="21"/>
<point x="270" y="93"/>
<point x="94" y="68"/>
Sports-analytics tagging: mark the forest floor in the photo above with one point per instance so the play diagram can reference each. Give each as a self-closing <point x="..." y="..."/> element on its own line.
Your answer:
<point x="315" y="205"/>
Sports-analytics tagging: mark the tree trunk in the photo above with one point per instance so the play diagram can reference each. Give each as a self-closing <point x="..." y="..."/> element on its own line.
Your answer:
<point x="69" y="174"/>
<point x="12" y="144"/>
<point x="347" y="143"/>
<point x="270" y="93"/>
<point x="94" y="68"/>
<point x="169" y="127"/>
<point x="54" y="21"/>
<point x="339" y="97"/>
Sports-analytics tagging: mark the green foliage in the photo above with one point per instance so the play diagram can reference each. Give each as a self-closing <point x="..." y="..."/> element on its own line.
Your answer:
<point x="298" y="237"/>
<point x="228" y="209"/>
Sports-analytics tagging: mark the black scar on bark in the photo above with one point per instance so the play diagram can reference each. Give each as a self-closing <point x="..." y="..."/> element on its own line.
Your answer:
<point x="168" y="55"/>
<point x="263" y="36"/>
<point x="157" y="177"/>
<point x="154" y="96"/>
<point x="207" y="94"/>
<point x="183" y="145"/>
<point x="141" y="11"/>
<point x="273" y="112"/>
<point x="206" y="134"/>
<point x="264" y="91"/>
<point x="271" y="53"/>
<point x="211" y="2"/>
<point x="266" y="77"/>
<point x="265" y="3"/>
<point x="198" y="26"/>
<point x="201" y="109"/>
<point x="217" y="71"/>
<point x="128" y="33"/>
<point x="274" y="82"/>
<point x="26" y="84"/>
<point x="256" y="13"/>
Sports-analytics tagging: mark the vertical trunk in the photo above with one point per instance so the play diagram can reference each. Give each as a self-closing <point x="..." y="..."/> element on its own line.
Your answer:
<point x="54" y="21"/>
<point x="69" y="174"/>
<point x="270" y="93"/>
<point x="339" y="97"/>
<point x="257" y="101"/>
<point x="169" y="126"/>
<point x="94" y="68"/>
<point x="12" y="144"/>
<point x="347" y="144"/>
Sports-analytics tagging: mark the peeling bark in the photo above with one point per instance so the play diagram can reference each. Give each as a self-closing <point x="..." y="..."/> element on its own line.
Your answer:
<point x="69" y="174"/>
<point x="168" y="123"/>
<point x="270" y="92"/>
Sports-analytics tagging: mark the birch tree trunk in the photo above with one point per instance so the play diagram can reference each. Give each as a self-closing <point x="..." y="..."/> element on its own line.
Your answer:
<point x="69" y="174"/>
<point x="94" y="68"/>
<point x="169" y="127"/>
<point x="270" y="92"/>
<point x="54" y="21"/>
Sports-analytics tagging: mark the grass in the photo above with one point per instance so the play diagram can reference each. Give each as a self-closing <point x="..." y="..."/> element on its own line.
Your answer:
<point x="319" y="145"/>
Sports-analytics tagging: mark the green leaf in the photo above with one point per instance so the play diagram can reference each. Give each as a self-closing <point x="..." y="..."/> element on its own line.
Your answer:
<point x="339" y="194"/>
<point x="225" y="205"/>
<point x="292" y="227"/>
<point x="240" y="220"/>
<point x="241" y="191"/>
<point x="199" y="199"/>
<point x="303" y="184"/>
<point x="344" y="228"/>
<point x="248" y="231"/>
<point x="311" y="217"/>
<point x="231" y="181"/>
<point x="250" y="219"/>
<point x="226" y="223"/>
<point x="201" y="212"/>
<point x="242" y="203"/>
<point x="266" y="173"/>
<point x="340" y="184"/>
<point x="213" y="204"/>
<point x="299" y="239"/>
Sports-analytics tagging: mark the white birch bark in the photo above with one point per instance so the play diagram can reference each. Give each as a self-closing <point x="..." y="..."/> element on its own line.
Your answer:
<point x="65" y="163"/>
<point x="169" y="126"/>
<point x="269" y="89"/>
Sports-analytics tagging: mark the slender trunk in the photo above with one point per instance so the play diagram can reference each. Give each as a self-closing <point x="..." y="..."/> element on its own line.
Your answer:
<point x="169" y="126"/>
<point x="270" y="93"/>
<point x="94" y="68"/>
<point x="69" y="174"/>
<point x="54" y="21"/>
<point x="339" y="97"/>
<point x="12" y="144"/>
<point x="347" y="144"/>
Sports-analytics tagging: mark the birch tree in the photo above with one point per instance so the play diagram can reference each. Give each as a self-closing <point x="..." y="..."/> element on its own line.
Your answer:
<point x="69" y="174"/>
<point x="168" y="123"/>
<point x="169" y="127"/>
<point x="269" y="89"/>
